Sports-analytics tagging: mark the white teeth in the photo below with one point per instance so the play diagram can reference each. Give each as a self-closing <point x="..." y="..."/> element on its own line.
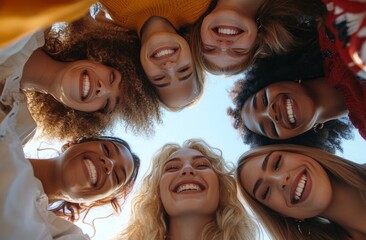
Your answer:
<point x="164" y="52"/>
<point x="300" y="187"/>
<point x="92" y="171"/>
<point x="228" y="31"/>
<point x="86" y="85"/>
<point x="186" y="187"/>
<point x="290" y="111"/>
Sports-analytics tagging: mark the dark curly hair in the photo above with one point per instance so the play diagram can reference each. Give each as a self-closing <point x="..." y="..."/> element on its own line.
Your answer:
<point x="111" y="45"/>
<point x="283" y="26"/>
<point x="303" y="64"/>
<point x="71" y="211"/>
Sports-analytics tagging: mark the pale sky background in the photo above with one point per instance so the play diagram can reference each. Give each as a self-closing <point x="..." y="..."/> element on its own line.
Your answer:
<point x="207" y="120"/>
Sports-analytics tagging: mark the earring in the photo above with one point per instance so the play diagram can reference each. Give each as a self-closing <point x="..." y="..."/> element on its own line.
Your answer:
<point x="299" y="81"/>
<point x="318" y="126"/>
<point x="299" y="228"/>
<point x="259" y="23"/>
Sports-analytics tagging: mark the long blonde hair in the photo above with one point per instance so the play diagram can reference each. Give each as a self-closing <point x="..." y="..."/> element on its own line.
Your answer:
<point x="149" y="219"/>
<point x="281" y="227"/>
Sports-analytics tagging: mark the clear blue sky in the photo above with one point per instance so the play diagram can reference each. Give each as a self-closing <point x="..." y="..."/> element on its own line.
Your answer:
<point x="207" y="120"/>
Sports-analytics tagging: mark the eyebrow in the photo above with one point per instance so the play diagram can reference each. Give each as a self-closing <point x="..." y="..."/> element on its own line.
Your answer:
<point x="119" y="152"/>
<point x="178" y="159"/>
<point x="264" y="167"/>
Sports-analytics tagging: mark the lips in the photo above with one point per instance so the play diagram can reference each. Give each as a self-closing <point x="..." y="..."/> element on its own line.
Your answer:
<point x="301" y="188"/>
<point x="287" y="110"/>
<point x="188" y="187"/>
<point x="227" y="31"/>
<point x="92" y="171"/>
<point x="164" y="53"/>
<point x="85" y="85"/>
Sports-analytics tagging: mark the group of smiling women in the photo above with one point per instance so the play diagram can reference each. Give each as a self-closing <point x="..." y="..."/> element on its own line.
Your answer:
<point x="303" y="90"/>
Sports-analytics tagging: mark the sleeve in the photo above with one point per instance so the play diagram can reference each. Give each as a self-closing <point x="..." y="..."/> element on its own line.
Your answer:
<point x="21" y="216"/>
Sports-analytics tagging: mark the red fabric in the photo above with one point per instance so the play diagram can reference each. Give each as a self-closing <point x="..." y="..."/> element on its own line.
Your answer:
<point x="346" y="19"/>
<point x="344" y="81"/>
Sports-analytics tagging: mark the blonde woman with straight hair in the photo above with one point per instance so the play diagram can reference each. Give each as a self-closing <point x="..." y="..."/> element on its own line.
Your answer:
<point x="300" y="192"/>
<point x="189" y="193"/>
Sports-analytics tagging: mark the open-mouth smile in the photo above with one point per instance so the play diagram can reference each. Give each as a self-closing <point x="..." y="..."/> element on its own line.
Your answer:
<point x="189" y="187"/>
<point x="92" y="171"/>
<point x="227" y="31"/>
<point x="85" y="85"/>
<point x="163" y="53"/>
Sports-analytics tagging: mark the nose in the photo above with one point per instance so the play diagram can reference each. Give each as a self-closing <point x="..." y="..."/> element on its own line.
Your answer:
<point x="103" y="89"/>
<point x="224" y="43"/>
<point x="107" y="164"/>
<point x="281" y="180"/>
<point x="187" y="170"/>
<point x="168" y="64"/>
<point x="272" y="113"/>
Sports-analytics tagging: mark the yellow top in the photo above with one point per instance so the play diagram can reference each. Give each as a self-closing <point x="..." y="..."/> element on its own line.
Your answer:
<point x="132" y="14"/>
<point x="21" y="17"/>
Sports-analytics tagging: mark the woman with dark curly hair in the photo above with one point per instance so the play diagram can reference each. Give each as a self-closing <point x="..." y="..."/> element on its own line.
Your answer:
<point x="83" y="79"/>
<point x="273" y="106"/>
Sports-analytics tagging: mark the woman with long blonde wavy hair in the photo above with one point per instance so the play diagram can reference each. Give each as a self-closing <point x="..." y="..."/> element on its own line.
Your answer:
<point x="300" y="192"/>
<point x="189" y="192"/>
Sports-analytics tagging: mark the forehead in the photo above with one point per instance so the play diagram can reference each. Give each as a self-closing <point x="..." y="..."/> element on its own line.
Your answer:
<point x="126" y="158"/>
<point x="185" y="153"/>
<point x="248" y="115"/>
<point x="250" y="171"/>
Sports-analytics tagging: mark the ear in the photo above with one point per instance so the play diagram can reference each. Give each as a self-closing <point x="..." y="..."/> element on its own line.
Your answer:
<point x="66" y="146"/>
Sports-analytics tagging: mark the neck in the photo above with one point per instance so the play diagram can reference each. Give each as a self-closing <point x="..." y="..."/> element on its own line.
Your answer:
<point x="347" y="209"/>
<point x="154" y="25"/>
<point x="246" y="7"/>
<point x="39" y="72"/>
<point x="330" y="103"/>
<point x="187" y="227"/>
<point x="46" y="171"/>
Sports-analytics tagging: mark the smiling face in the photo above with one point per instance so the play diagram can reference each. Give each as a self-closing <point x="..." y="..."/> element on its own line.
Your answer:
<point x="168" y="64"/>
<point x="89" y="86"/>
<point x="280" y="111"/>
<point x="189" y="184"/>
<point x="292" y="184"/>
<point x="93" y="170"/>
<point x="227" y="37"/>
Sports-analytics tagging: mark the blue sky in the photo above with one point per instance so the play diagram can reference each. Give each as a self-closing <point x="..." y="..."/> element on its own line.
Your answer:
<point x="206" y="120"/>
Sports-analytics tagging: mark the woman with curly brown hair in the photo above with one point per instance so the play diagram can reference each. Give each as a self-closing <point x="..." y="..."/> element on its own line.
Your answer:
<point x="81" y="81"/>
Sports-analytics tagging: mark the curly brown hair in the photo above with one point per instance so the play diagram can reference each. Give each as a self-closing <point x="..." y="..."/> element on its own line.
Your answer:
<point x="71" y="211"/>
<point x="108" y="44"/>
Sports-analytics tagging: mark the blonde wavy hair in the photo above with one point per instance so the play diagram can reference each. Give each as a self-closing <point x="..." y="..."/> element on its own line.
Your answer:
<point x="283" y="26"/>
<point x="149" y="219"/>
<point x="280" y="227"/>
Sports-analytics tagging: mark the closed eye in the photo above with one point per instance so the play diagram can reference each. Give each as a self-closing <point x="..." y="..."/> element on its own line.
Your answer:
<point x="106" y="150"/>
<point x="265" y="194"/>
<point x="276" y="164"/>
<point x="117" y="178"/>
<point x="112" y="77"/>
<point x="105" y="108"/>
<point x="264" y="98"/>
<point x="274" y="130"/>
